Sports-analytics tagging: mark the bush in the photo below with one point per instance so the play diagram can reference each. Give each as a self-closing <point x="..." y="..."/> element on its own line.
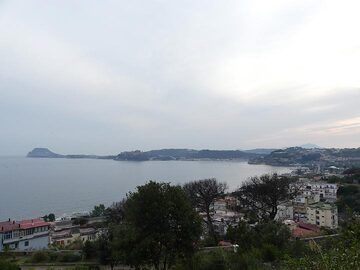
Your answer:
<point x="89" y="250"/>
<point x="70" y="257"/>
<point x="5" y="265"/>
<point x="40" y="256"/>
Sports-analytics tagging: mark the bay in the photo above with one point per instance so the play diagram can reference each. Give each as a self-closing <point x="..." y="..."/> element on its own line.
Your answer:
<point x="32" y="187"/>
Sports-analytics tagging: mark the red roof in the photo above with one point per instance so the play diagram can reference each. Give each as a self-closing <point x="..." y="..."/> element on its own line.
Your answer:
<point x="6" y="226"/>
<point x="32" y="223"/>
<point x="308" y="226"/>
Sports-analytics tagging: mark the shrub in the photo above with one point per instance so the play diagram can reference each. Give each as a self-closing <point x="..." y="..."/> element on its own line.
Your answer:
<point x="70" y="257"/>
<point x="40" y="256"/>
<point x="5" y="265"/>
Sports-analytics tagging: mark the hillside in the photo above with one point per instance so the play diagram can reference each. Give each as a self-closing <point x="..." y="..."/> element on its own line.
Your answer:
<point x="185" y="154"/>
<point x="310" y="157"/>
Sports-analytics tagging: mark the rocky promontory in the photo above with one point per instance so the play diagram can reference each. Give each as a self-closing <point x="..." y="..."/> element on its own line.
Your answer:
<point x="43" y="153"/>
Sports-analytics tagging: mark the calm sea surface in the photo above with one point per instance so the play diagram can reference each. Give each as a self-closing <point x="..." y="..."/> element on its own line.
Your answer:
<point x="34" y="187"/>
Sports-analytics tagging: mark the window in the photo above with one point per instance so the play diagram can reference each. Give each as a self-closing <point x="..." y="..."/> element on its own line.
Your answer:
<point x="26" y="243"/>
<point x="7" y="235"/>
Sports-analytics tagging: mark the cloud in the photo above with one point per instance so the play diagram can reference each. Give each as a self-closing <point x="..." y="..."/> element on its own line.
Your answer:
<point x="148" y="74"/>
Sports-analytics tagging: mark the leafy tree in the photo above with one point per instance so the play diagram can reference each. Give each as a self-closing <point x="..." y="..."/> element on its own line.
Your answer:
<point x="89" y="250"/>
<point x="159" y="226"/>
<point x="202" y="194"/>
<point x="342" y="253"/>
<point x="115" y="213"/>
<point x="5" y="265"/>
<point x="263" y="194"/>
<point x="242" y="235"/>
<point x="269" y="238"/>
<point x="49" y="218"/>
<point x="99" y="210"/>
<point x="349" y="197"/>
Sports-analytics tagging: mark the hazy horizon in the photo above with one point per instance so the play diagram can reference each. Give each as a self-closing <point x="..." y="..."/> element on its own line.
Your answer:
<point x="101" y="77"/>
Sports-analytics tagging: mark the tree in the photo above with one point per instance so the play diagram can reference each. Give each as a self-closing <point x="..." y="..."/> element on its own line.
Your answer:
<point x="270" y="233"/>
<point x="5" y="265"/>
<point x="89" y="250"/>
<point x="263" y="194"/>
<point x="98" y="211"/>
<point x="341" y="253"/>
<point x="159" y="226"/>
<point x="115" y="213"/>
<point x="49" y="218"/>
<point x="202" y="194"/>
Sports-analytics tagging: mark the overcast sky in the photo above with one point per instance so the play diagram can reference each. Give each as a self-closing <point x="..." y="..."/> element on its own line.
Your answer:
<point x="107" y="76"/>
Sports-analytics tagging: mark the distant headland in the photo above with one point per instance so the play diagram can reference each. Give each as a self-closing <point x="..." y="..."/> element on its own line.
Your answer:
<point x="40" y="152"/>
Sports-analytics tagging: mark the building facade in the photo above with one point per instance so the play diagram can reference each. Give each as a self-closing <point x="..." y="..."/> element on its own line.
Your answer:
<point x="323" y="215"/>
<point x="24" y="235"/>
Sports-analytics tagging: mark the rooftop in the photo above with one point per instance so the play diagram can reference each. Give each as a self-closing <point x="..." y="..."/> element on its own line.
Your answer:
<point x="11" y="225"/>
<point x="322" y="205"/>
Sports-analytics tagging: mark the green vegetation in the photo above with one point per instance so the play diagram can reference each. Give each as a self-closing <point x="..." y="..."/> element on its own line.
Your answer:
<point x="202" y="195"/>
<point x="99" y="210"/>
<point x="263" y="195"/>
<point x="43" y="256"/>
<point x="156" y="227"/>
<point x="6" y="265"/>
<point x="349" y="198"/>
<point x="340" y="253"/>
<point x="159" y="226"/>
<point x="49" y="218"/>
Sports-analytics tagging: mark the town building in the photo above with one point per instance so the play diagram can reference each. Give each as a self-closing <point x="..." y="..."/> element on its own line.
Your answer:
<point x="323" y="215"/>
<point x="300" y="204"/>
<point x="69" y="236"/>
<point x="65" y="232"/>
<point x="24" y="235"/>
<point x="285" y="211"/>
<point x="325" y="191"/>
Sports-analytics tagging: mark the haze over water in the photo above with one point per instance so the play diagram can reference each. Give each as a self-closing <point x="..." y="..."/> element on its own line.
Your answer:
<point x="35" y="187"/>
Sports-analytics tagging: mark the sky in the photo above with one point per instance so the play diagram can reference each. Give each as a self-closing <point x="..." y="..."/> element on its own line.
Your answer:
<point x="101" y="77"/>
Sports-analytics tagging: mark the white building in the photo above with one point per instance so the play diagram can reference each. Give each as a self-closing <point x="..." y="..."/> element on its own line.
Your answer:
<point x="323" y="215"/>
<point x="285" y="212"/>
<point x="323" y="190"/>
<point x="24" y="235"/>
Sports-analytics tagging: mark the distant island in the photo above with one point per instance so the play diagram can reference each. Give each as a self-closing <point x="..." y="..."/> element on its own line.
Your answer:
<point x="43" y="153"/>
<point x="46" y="153"/>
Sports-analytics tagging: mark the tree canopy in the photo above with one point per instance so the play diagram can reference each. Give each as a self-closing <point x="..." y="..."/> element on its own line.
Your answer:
<point x="159" y="226"/>
<point x="99" y="210"/>
<point x="202" y="194"/>
<point x="263" y="194"/>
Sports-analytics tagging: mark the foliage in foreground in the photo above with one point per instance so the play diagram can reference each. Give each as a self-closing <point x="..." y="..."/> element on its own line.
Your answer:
<point x="5" y="265"/>
<point x="159" y="226"/>
<point x="342" y="253"/>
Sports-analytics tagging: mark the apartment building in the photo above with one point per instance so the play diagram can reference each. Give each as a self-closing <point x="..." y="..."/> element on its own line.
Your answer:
<point x="24" y="235"/>
<point x="323" y="215"/>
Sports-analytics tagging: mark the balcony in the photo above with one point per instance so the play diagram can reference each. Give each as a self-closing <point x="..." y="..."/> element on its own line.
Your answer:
<point x="25" y="237"/>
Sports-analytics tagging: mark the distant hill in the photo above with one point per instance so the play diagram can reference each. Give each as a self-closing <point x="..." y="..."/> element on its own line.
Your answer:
<point x="46" y="153"/>
<point x="261" y="151"/>
<point x="43" y="153"/>
<point x="311" y="157"/>
<point x="184" y="154"/>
